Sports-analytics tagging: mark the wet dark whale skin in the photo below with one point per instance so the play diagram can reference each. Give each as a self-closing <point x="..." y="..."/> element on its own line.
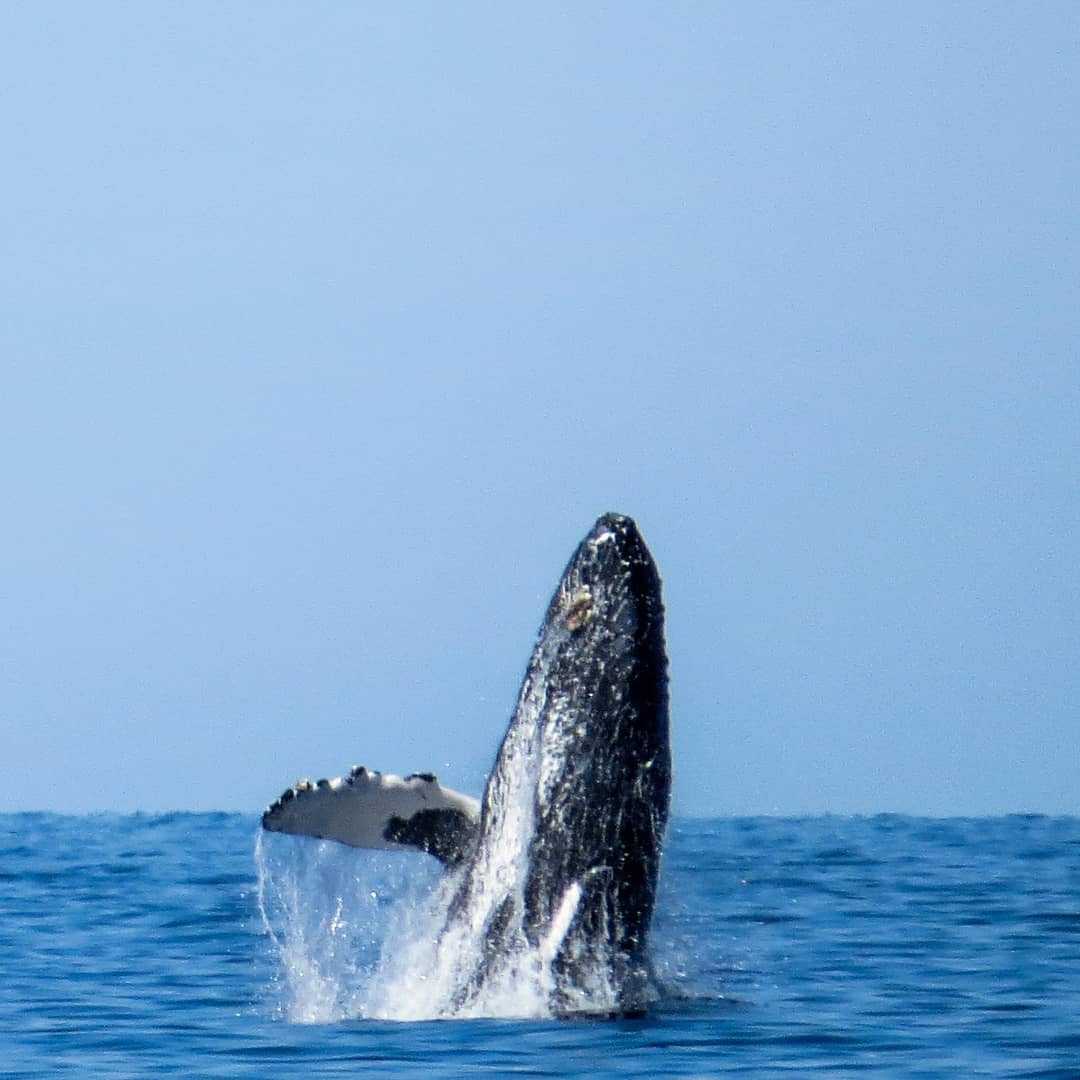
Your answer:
<point x="591" y="729"/>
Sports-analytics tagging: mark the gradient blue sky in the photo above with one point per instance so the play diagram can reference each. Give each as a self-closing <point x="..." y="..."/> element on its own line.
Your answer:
<point x="327" y="330"/>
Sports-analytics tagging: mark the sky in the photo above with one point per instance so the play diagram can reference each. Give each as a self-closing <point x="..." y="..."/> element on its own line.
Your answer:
<point x="327" y="331"/>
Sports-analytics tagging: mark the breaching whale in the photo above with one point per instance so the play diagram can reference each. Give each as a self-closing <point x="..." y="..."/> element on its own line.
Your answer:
<point x="557" y="867"/>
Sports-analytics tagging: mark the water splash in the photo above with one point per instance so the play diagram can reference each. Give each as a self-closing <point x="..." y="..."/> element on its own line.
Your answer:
<point x="329" y="913"/>
<point x="363" y="934"/>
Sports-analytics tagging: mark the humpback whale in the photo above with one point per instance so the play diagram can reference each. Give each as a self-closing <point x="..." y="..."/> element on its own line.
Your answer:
<point x="556" y="869"/>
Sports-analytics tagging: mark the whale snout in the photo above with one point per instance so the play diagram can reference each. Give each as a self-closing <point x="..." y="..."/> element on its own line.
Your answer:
<point x="613" y="527"/>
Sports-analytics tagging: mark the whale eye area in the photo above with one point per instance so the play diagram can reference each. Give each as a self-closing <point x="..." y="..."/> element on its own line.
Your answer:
<point x="579" y="608"/>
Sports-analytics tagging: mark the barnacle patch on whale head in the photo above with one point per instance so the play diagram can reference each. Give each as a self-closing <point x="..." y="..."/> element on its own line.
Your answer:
<point x="579" y="608"/>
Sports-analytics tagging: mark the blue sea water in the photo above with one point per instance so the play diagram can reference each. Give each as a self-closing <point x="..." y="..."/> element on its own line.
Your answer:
<point x="898" y="946"/>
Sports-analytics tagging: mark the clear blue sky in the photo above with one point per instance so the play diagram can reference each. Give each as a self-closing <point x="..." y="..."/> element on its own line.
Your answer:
<point x="327" y="330"/>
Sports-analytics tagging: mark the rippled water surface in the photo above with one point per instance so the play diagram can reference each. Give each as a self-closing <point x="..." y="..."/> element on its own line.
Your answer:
<point x="133" y="945"/>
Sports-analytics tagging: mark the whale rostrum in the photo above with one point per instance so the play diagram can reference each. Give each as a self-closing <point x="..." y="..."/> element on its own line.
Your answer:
<point x="560" y="860"/>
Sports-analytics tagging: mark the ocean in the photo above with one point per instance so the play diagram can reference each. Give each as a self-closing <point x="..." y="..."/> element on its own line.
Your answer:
<point x="896" y="946"/>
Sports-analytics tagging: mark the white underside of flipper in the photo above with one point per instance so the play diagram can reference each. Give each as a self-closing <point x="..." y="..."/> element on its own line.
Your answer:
<point x="372" y="810"/>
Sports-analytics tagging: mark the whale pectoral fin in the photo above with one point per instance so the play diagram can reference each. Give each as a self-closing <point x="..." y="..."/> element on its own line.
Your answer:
<point x="376" y="810"/>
